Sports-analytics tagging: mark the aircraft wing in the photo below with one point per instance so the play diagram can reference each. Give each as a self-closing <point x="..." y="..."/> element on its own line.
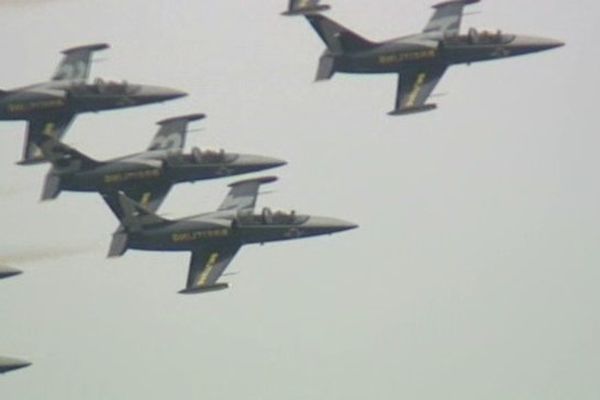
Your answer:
<point x="243" y="194"/>
<point x="300" y="7"/>
<point x="75" y="65"/>
<point x="415" y="87"/>
<point x="207" y="264"/>
<point x="55" y="127"/>
<point x="447" y="17"/>
<point x="172" y="132"/>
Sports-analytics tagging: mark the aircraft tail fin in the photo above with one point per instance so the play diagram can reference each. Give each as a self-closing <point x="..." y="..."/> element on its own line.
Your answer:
<point x="133" y="216"/>
<point x="63" y="157"/>
<point x="338" y="38"/>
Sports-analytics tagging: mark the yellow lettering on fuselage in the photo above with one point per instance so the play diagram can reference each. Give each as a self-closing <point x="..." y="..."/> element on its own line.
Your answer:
<point x="199" y="235"/>
<point x="36" y="105"/>
<point x="408" y="56"/>
<point x="132" y="176"/>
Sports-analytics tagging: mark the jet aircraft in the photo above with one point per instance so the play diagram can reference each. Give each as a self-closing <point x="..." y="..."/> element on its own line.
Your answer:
<point x="213" y="238"/>
<point x="50" y="107"/>
<point x="421" y="59"/>
<point x="11" y="364"/>
<point x="148" y="176"/>
<point x="7" y="272"/>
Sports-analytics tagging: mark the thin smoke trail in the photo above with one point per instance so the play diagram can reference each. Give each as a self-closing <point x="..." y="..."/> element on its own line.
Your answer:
<point x="22" y="3"/>
<point x="28" y="256"/>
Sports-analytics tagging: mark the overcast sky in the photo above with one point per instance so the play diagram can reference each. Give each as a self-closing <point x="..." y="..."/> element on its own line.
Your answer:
<point x="473" y="274"/>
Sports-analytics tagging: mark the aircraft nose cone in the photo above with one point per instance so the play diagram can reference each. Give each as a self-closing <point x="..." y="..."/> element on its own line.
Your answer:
<point x="157" y="93"/>
<point x="10" y="364"/>
<point x="256" y="163"/>
<point x="326" y="225"/>
<point x="532" y="43"/>
<point x="7" y="272"/>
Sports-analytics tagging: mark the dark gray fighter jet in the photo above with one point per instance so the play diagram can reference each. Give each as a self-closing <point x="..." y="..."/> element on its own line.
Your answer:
<point x="421" y="59"/>
<point x="49" y="108"/>
<point x="7" y="272"/>
<point x="213" y="238"/>
<point x="11" y="364"/>
<point x="148" y="176"/>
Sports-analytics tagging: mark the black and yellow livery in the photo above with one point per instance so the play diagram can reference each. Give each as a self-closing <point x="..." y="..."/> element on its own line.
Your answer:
<point x="50" y="107"/>
<point x="213" y="238"/>
<point x="421" y="59"/>
<point x="148" y="176"/>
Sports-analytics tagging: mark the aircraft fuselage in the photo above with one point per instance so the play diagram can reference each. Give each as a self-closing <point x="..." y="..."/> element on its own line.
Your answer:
<point x="412" y="52"/>
<point x="215" y="228"/>
<point x="161" y="167"/>
<point x="62" y="97"/>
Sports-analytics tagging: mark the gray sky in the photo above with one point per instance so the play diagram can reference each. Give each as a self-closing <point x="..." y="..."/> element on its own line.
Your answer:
<point x="473" y="275"/>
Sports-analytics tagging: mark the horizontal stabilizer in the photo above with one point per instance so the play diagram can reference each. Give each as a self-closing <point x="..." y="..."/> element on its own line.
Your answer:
<point x="204" y="289"/>
<point x="326" y="67"/>
<point x="51" y="187"/>
<point x="32" y="161"/>
<point x="118" y="245"/>
<point x="413" y="110"/>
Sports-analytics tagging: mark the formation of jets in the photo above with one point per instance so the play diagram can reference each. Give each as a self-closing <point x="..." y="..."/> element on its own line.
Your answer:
<point x="50" y="107"/>
<point x="134" y="186"/>
<point x="420" y="59"/>
<point x="145" y="177"/>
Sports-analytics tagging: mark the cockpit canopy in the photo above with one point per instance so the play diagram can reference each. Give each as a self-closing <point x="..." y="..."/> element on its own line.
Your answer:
<point x="102" y="87"/>
<point x="199" y="156"/>
<point x="481" y="37"/>
<point x="268" y="217"/>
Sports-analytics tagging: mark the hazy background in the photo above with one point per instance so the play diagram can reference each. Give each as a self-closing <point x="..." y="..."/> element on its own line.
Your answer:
<point x="475" y="270"/>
